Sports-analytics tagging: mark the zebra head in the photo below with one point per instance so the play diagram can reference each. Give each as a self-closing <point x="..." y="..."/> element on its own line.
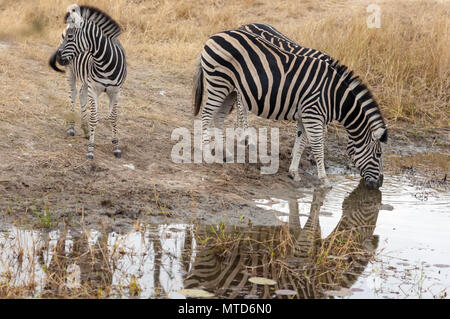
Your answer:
<point x="71" y="45"/>
<point x="366" y="155"/>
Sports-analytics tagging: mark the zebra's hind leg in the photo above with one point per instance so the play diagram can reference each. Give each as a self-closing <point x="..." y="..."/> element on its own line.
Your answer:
<point x="113" y="95"/>
<point x="315" y="133"/>
<point x="83" y="101"/>
<point x="219" y="119"/>
<point x="73" y="96"/>
<point x="299" y="146"/>
<point x="214" y="102"/>
<point x="93" y="120"/>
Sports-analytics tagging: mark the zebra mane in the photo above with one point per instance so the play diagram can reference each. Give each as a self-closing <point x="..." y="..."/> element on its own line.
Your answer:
<point x="357" y="86"/>
<point x="355" y="83"/>
<point x="108" y="25"/>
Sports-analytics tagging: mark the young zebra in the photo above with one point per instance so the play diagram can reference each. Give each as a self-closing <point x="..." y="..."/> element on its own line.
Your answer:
<point x="94" y="56"/>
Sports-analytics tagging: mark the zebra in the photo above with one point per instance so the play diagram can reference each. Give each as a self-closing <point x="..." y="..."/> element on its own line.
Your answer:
<point x="94" y="56"/>
<point x="280" y="85"/>
<point x="226" y="271"/>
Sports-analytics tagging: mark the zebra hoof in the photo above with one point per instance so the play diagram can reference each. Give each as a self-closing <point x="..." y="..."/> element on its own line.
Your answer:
<point x="118" y="154"/>
<point x="90" y="156"/>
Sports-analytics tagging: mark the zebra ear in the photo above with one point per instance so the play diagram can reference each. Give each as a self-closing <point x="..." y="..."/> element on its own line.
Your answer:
<point x="74" y="19"/>
<point x="380" y="134"/>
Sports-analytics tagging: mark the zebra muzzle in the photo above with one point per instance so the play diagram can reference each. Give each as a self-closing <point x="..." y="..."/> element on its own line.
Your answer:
<point x="373" y="183"/>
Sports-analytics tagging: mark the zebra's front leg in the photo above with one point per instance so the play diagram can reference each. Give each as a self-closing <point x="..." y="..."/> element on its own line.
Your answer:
<point x="299" y="146"/>
<point x="315" y="134"/>
<point x="242" y="117"/>
<point x="73" y="96"/>
<point x="93" y="120"/>
<point x="113" y="100"/>
<point x="83" y="101"/>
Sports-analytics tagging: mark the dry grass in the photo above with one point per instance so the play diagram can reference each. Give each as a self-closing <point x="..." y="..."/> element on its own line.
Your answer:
<point x="406" y="62"/>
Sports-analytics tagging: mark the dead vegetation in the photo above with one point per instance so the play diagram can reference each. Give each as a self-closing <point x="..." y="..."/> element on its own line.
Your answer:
<point x="406" y="62"/>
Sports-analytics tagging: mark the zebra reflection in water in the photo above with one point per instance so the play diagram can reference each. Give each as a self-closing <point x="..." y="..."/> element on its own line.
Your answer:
<point x="154" y="261"/>
<point x="296" y="258"/>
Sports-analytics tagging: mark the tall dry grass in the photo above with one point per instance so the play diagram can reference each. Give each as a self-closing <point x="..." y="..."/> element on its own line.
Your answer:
<point x="406" y="62"/>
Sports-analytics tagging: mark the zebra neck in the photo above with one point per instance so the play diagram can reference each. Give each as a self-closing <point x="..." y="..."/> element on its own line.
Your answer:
<point x="357" y="112"/>
<point x="104" y="54"/>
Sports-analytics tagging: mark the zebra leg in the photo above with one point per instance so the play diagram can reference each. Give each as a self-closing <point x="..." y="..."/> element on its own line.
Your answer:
<point x="113" y="100"/>
<point x="73" y="97"/>
<point x="299" y="146"/>
<point x="242" y="114"/>
<point x="242" y="121"/>
<point x="315" y="135"/>
<point x="308" y="239"/>
<point x="83" y="101"/>
<point x="219" y="119"/>
<point x="213" y="104"/>
<point x="93" y="120"/>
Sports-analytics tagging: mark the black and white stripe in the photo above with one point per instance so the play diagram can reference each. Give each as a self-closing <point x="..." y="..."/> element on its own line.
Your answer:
<point x="95" y="57"/>
<point x="275" y="37"/>
<point x="277" y="84"/>
<point x="271" y="34"/>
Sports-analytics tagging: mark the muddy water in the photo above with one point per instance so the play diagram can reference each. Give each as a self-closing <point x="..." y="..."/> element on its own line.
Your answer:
<point x="411" y="238"/>
<point x="345" y="242"/>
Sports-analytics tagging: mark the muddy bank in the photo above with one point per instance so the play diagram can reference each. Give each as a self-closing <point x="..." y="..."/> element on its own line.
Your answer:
<point x="44" y="173"/>
<point x="154" y="190"/>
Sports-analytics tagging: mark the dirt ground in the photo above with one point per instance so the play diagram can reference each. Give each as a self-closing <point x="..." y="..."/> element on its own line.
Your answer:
<point x="42" y="171"/>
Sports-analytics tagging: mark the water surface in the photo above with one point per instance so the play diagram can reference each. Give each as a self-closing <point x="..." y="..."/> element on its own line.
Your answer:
<point x="345" y="242"/>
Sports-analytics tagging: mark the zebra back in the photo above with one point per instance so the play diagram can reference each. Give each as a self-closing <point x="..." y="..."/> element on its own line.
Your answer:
<point x="275" y="37"/>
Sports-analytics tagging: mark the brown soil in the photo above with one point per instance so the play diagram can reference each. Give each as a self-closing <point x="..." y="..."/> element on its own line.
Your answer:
<point x="41" y="169"/>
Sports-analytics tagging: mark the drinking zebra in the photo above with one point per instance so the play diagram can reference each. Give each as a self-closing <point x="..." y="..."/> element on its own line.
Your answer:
<point x="277" y="84"/>
<point x="94" y="56"/>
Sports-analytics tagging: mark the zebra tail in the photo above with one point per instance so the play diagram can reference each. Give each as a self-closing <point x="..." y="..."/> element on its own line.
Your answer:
<point x="198" y="88"/>
<point x="52" y="63"/>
